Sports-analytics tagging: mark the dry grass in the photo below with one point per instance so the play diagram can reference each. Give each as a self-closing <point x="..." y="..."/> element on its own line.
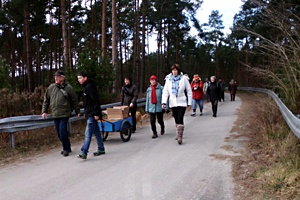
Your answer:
<point x="269" y="166"/>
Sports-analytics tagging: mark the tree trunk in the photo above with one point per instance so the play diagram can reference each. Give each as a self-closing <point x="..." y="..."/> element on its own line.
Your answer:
<point x="93" y="42"/>
<point x="52" y="47"/>
<point x="12" y="56"/>
<point x="27" y="47"/>
<point x="159" y="44"/>
<point x="64" y="34"/>
<point x="38" y="61"/>
<point x="177" y="38"/>
<point x="121" y="63"/>
<point x="142" y="81"/>
<point x="136" y="44"/>
<point x="103" y="39"/>
<point x="69" y="36"/>
<point x="217" y="60"/>
<point x="114" y="40"/>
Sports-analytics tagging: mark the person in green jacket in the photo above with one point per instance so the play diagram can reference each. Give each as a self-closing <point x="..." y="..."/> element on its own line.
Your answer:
<point x="61" y="98"/>
<point x="154" y="106"/>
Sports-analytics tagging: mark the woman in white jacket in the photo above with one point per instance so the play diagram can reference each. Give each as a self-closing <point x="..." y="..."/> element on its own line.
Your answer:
<point x="177" y="91"/>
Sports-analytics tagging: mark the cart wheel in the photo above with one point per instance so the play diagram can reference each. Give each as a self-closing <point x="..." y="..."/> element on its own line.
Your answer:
<point x="104" y="135"/>
<point x="125" y="131"/>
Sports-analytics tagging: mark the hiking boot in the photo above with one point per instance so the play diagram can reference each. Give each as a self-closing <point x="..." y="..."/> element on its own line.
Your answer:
<point x="62" y="152"/>
<point x="98" y="153"/>
<point x="82" y="156"/>
<point x="65" y="153"/>
<point x="154" y="135"/>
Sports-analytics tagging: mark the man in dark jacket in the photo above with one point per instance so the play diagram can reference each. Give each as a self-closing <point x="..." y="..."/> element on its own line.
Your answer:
<point x="93" y="113"/>
<point x="214" y="94"/>
<point x="62" y="99"/>
<point x="129" y="97"/>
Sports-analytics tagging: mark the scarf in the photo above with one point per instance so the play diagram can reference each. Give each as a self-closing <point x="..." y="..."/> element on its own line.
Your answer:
<point x="153" y="94"/>
<point x="175" y="84"/>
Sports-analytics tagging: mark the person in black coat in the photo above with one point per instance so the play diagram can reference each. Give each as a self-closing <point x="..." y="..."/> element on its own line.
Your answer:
<point x="129" y="97"/>
<point x="213" y="91"/>
<point x="93" y="113"/>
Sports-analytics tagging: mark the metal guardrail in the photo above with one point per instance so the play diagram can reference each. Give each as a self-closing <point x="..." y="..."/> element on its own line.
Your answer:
<point x="12" y="125"/>
<point x="292" y="121"/>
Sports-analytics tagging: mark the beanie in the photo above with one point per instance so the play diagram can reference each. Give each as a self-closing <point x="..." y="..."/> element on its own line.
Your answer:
<point x="152" y="77"/>
<point x="196" y="76"/>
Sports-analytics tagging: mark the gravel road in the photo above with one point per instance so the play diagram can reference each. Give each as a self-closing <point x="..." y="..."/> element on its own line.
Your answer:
<point x="142" y="168"/>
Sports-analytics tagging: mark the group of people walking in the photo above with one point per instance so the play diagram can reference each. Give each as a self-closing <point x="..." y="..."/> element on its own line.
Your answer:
<point x="177" y="94"/>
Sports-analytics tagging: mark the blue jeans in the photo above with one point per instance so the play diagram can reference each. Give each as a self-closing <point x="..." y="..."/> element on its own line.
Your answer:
<point x="61" y="125"/>
<point x="199" y="102"/>
<point x="92" y="127"/>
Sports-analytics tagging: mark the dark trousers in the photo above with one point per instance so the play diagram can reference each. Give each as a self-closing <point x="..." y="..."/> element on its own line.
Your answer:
<point x="232" y="97"/>
<point x="214" y="105"/>
<point x="160" y="120"/>
<point x="178" y="114"/>
<point x="207" y="97"/>
<point x="222" y="96"/>
<point x="61" y="125"/>
<point x="132" y="111"/>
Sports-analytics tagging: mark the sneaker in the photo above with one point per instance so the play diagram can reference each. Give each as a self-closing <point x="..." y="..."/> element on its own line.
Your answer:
<point x="201" y="114"/>
<point x="82" y="156"/>
<point x="193" y="114"/>
<point x="98" y="153"/>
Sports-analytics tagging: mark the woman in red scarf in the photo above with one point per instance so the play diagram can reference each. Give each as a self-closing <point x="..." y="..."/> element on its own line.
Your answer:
<point x="154" y="107"/>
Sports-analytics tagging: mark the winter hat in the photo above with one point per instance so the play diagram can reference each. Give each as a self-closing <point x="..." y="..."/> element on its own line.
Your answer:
<point x="59" y="73"/>
<point x="196" y="77"/>
<point x="153" y="77"/>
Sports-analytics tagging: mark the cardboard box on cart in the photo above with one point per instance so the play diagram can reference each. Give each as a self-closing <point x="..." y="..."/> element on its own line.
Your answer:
<point x="117" y="112"/>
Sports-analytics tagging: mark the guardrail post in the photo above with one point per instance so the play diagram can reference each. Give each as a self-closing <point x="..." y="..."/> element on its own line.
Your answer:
<point x="12" y="140"/>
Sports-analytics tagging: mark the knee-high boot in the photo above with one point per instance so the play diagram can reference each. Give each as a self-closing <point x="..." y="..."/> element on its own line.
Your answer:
<point x="180" y="129"/>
